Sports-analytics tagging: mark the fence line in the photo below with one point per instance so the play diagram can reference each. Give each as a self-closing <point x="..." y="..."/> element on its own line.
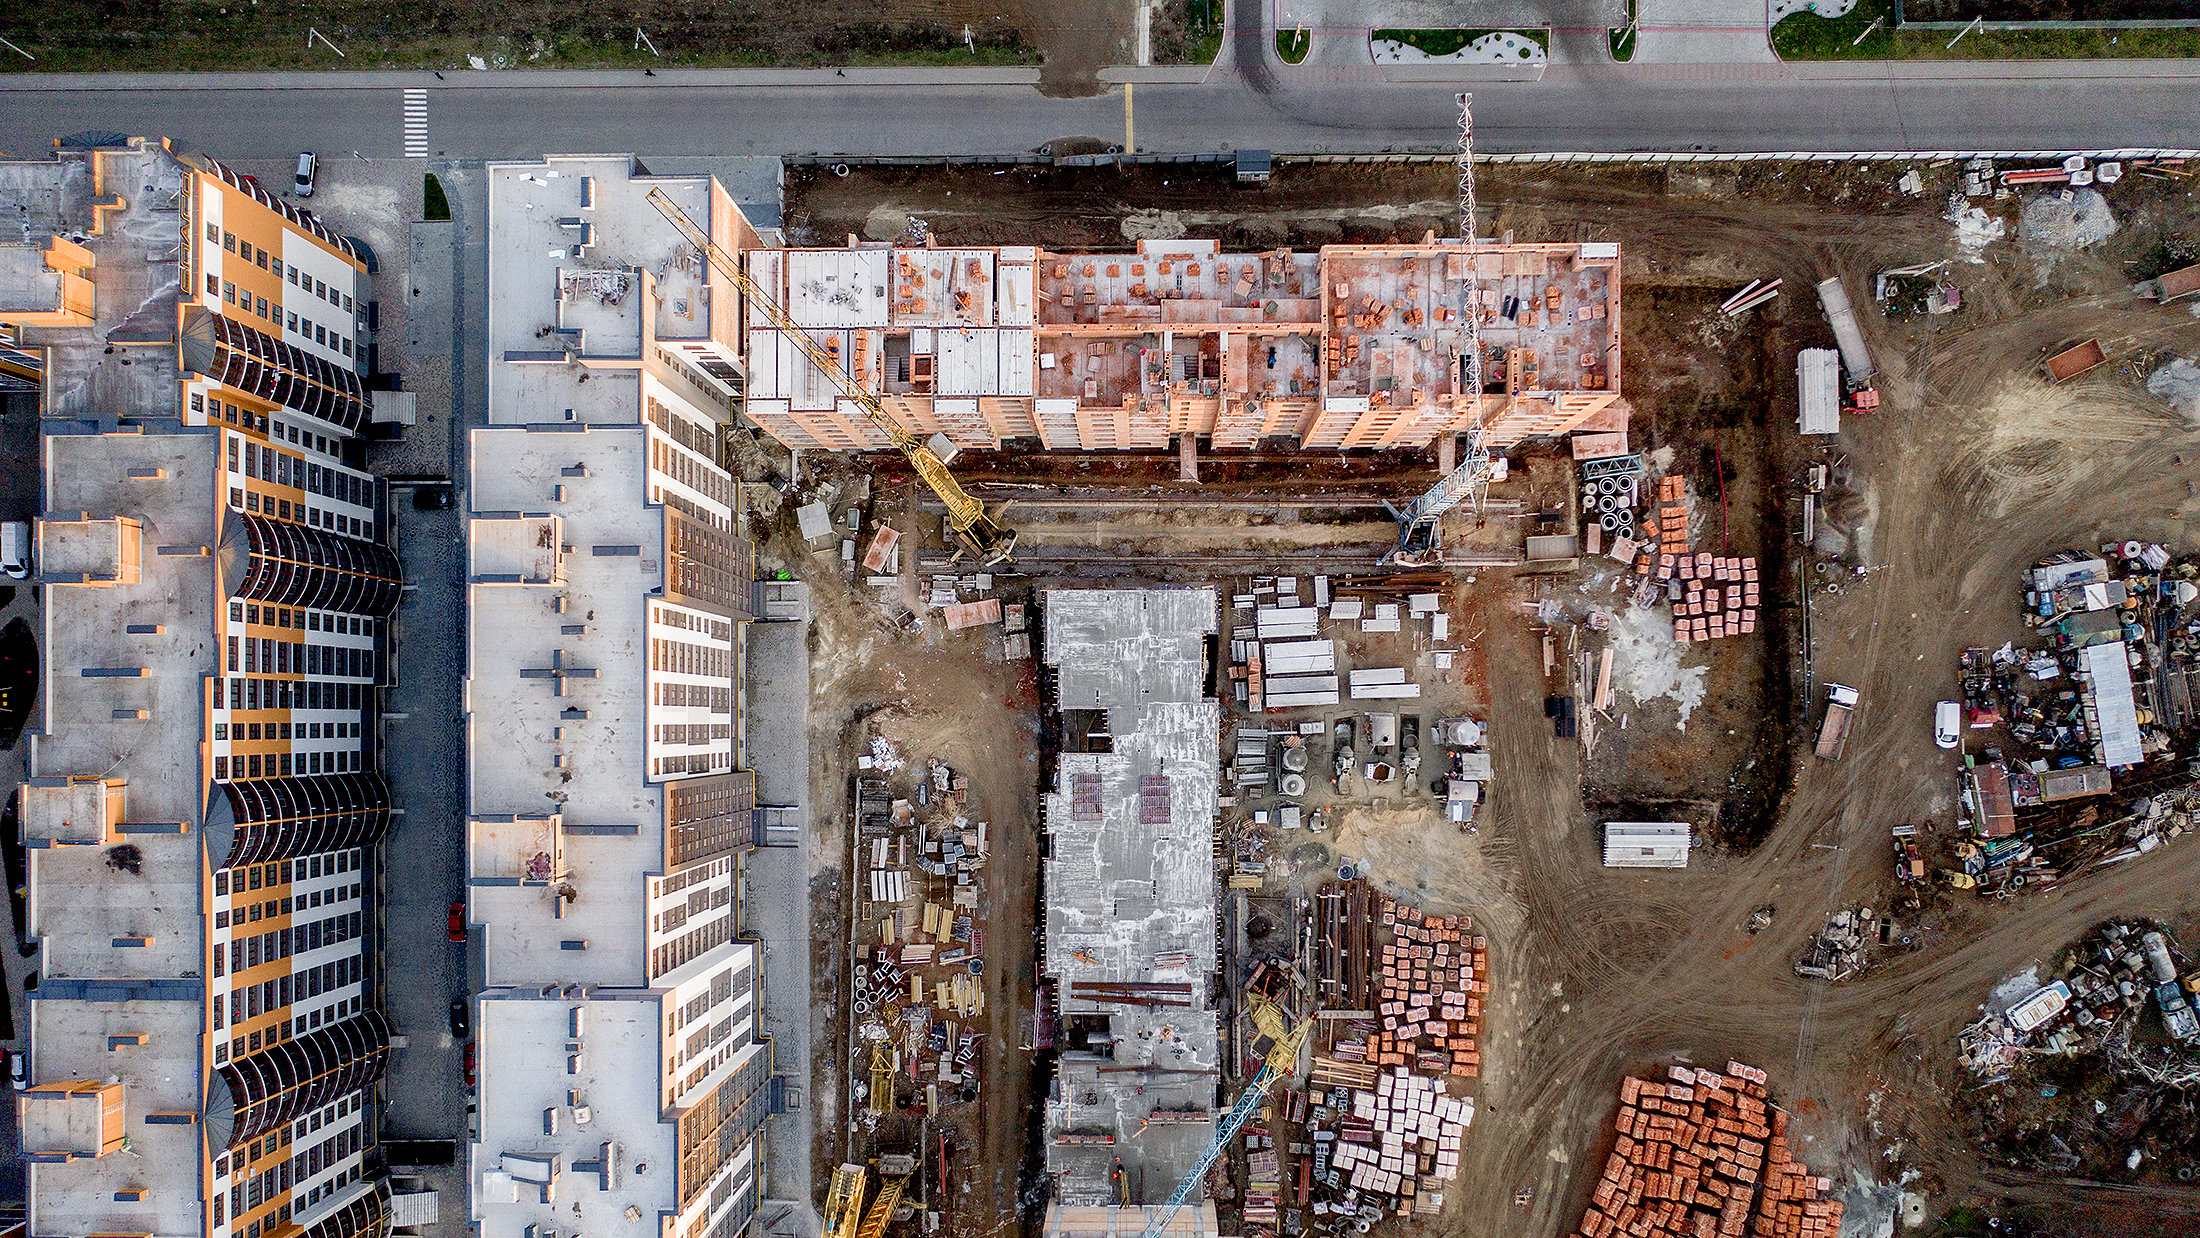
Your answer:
<point x="837" y="162"/>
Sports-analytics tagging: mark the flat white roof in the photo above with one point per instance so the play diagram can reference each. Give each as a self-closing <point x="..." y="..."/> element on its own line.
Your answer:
<point x="1645" y="844"/>
<point x="2108" y="669"/>
<point x="1818" y="391"/>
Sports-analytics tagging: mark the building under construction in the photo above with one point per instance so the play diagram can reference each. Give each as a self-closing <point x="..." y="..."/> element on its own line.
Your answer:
<point x="1351" y="346"/>
<point x="1130" y="904"/>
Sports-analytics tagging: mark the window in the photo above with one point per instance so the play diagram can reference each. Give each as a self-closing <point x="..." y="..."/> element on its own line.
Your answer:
<point x="293" y="325"/>
<point x="320" y="334"/>
<point x="213" y="284"/>
<point x="213" y="233"/>
<point x="229" y="241"/>
<point x="229" y="292"/>
<point x="277" y="268"/>
<point x="347" y="347"/>
<point x="261" y="258"/>
<point x="260" y="306"/>
<point x="293" y="275"/>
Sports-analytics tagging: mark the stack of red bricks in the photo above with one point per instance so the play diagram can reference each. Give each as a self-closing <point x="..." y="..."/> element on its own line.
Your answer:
<point x="1434" y="973"/>
<point x="1721" y="597"/>
<point x="1672" y="526"/>
<point x="1794" y="1203"/>
<point x="1687" y="1159"/>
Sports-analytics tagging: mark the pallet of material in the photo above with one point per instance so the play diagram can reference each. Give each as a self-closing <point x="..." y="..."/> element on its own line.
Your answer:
<point x="1347" y="608"/>
<point x="1691" y="1155"/>
<point x="1296" y="700"/>
<point x="1282" y="623"/>
<point x="1300" y="657"/>
<point x="1385" y="691"/>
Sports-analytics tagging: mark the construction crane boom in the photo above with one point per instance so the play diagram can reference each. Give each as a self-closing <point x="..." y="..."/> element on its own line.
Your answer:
<point x="1282" y="1055"/>
<point x="844" y="1202"/>
<point x="882" y="1209"/>
<point x="982" y="538"/>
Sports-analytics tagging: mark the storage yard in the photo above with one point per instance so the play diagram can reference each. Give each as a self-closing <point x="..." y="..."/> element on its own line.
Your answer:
<point x="1564" y="817"/>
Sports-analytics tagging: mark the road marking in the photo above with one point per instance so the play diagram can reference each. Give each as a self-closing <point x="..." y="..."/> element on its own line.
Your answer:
<point x="416" y="124"/>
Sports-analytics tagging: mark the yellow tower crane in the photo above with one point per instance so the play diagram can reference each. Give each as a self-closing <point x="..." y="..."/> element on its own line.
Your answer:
<point x="982" y="539"/>
<point x="844" y="1202"/>
<point x="882" y="1208"/>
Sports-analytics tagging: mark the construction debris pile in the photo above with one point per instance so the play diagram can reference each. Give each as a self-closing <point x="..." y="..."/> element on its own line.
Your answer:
<point x="1379" y="1127"/>
<point x="1703" y="1154"/>
<point x="2120" y="971"/>
<point x="917" y="998"/>
<point x="1842" y="948"/>
<point x="2104" y="703"/>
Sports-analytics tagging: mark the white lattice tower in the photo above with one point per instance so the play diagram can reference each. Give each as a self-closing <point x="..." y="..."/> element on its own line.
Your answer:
<point x="1477" y="462"/>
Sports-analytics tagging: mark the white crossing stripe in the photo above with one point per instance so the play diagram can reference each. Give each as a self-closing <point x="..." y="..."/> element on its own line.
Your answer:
<point x="416" y="124"/>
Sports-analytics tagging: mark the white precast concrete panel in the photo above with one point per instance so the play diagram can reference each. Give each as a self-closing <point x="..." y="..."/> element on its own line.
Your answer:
<point x="1016" y="364"/>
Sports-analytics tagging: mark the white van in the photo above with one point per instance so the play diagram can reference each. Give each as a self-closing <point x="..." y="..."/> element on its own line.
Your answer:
<point x="15" y="549"/>
<point x="1947" y="724"/>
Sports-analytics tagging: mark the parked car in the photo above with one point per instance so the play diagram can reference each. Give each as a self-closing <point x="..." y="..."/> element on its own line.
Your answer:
<point x="456" y="925"/>
<point x="19" y="1071"/>
<point x="469" y="1063"/>
<point x="462" y="1020"/>
<point x="307" y="167"/>
<point x="15" y="548"/>
<point x="1947" y="724"/>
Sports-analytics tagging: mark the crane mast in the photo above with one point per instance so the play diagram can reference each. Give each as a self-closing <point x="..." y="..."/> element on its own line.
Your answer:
<point x="981" y="538"/>
<point x="1418" y="544"/>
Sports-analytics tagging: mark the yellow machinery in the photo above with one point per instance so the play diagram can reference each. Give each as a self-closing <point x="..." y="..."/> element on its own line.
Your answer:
<point x="882" y="1077"/>
<point x="844" y="1202"/>
<point x="882" y="1209"/>
<point x="981" y="538"/>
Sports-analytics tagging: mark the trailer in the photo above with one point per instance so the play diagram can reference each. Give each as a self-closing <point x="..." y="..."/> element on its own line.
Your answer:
<point x="1833" y="730"/>
<point x="2073" y="361"/>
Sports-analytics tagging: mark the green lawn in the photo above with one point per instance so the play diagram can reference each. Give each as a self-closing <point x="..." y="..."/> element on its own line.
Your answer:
<point x="1807" y="36"/>
<point x="1444" y="42"/>
<point x="1187" y="32"/>
<point x="1623" y="39"/>
<point x="171" y="35"/>
<point x="1292" y="45"/>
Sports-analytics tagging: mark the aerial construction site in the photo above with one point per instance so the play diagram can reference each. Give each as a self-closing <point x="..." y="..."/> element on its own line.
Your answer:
<point x="1308" y="749"/>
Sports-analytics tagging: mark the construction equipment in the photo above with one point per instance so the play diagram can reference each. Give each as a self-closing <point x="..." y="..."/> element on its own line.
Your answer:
<point x="844" y="1202"/>
<point x="1278" y="1043"/>
<point x="882" y="1077"/>
<point x="1418" y="543"/>
<point x="881" y="1210"/>
<point x="980" y="537"/>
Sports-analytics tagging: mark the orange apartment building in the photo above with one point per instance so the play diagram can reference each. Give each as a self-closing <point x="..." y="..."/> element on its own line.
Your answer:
<point x="204" y="800"/>
<point x="1349" y="347"/>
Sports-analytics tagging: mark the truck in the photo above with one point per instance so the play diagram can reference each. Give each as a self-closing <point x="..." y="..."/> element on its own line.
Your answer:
<point x="1833" y="731"/>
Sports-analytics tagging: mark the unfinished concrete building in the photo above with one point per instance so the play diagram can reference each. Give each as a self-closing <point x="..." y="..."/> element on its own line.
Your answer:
<point x="1354" y="346"/>
<point x="1130" y="897"/>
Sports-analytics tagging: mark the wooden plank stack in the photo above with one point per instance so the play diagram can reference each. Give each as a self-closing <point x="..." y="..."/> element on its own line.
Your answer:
<point x="1690" y="1156"/>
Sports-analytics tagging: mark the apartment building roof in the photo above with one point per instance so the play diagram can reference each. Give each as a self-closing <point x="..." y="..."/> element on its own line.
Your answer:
<point x="573" y="241"/>
<point x="122" y="204"/>
<point x="625" y="1157"/>
<point x="150" y="1047"/>
<point x="561" y="697"/>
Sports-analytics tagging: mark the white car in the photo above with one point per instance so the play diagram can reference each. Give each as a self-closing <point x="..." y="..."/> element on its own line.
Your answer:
<point x="1947" y="724"/>
<point x="307" y="167"/>
<point x="19" y="1071"/>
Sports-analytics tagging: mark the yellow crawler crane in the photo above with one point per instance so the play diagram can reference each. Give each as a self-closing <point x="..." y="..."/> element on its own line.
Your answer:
<point x="982" y="539"/>
<point x="882" y="1077"/>
<point x="881" y="1210"/>
<point x="844" y="1202"/>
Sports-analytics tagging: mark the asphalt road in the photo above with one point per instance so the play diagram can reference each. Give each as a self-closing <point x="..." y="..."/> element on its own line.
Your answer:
<point x="1606" y="108"/>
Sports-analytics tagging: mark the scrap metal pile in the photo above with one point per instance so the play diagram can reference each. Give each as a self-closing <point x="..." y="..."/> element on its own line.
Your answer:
<point x="1704" y="1155"/>
<point x="1381" y="1122"/>
<point x="2102" y="704"/>
<point x="2123" y="969"/>
<point x="1843" y="947"/>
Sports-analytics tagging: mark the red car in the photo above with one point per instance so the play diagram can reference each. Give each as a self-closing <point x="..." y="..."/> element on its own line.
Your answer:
<point x="456" y="926"/>
<point x="469" y="1063"/>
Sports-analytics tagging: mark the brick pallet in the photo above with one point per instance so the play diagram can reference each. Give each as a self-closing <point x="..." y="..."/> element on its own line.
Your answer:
<point x="1692" y="1154"/>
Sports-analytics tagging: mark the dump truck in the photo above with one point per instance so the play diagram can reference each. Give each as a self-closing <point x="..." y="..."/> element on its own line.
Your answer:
<point x="2073" y="361"/>
<point x="1833" y="731"/>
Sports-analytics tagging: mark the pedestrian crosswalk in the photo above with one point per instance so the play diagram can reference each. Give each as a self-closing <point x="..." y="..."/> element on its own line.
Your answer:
<point x="416" y="124"/>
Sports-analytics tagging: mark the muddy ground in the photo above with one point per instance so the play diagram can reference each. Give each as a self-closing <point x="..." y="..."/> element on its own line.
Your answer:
<point x="1973" y="468"/>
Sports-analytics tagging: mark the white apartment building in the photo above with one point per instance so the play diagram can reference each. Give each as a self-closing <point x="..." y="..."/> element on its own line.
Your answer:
<point x="623" y="1078"/>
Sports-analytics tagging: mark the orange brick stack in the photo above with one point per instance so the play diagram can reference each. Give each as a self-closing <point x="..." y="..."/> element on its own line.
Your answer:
<point x="1721" y="599"/>
<point x="1687" y="1159"/>
<point x="1434" y="973"/>
<point x="1673" y="515"/>
<point x="1793" y="1204"/>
